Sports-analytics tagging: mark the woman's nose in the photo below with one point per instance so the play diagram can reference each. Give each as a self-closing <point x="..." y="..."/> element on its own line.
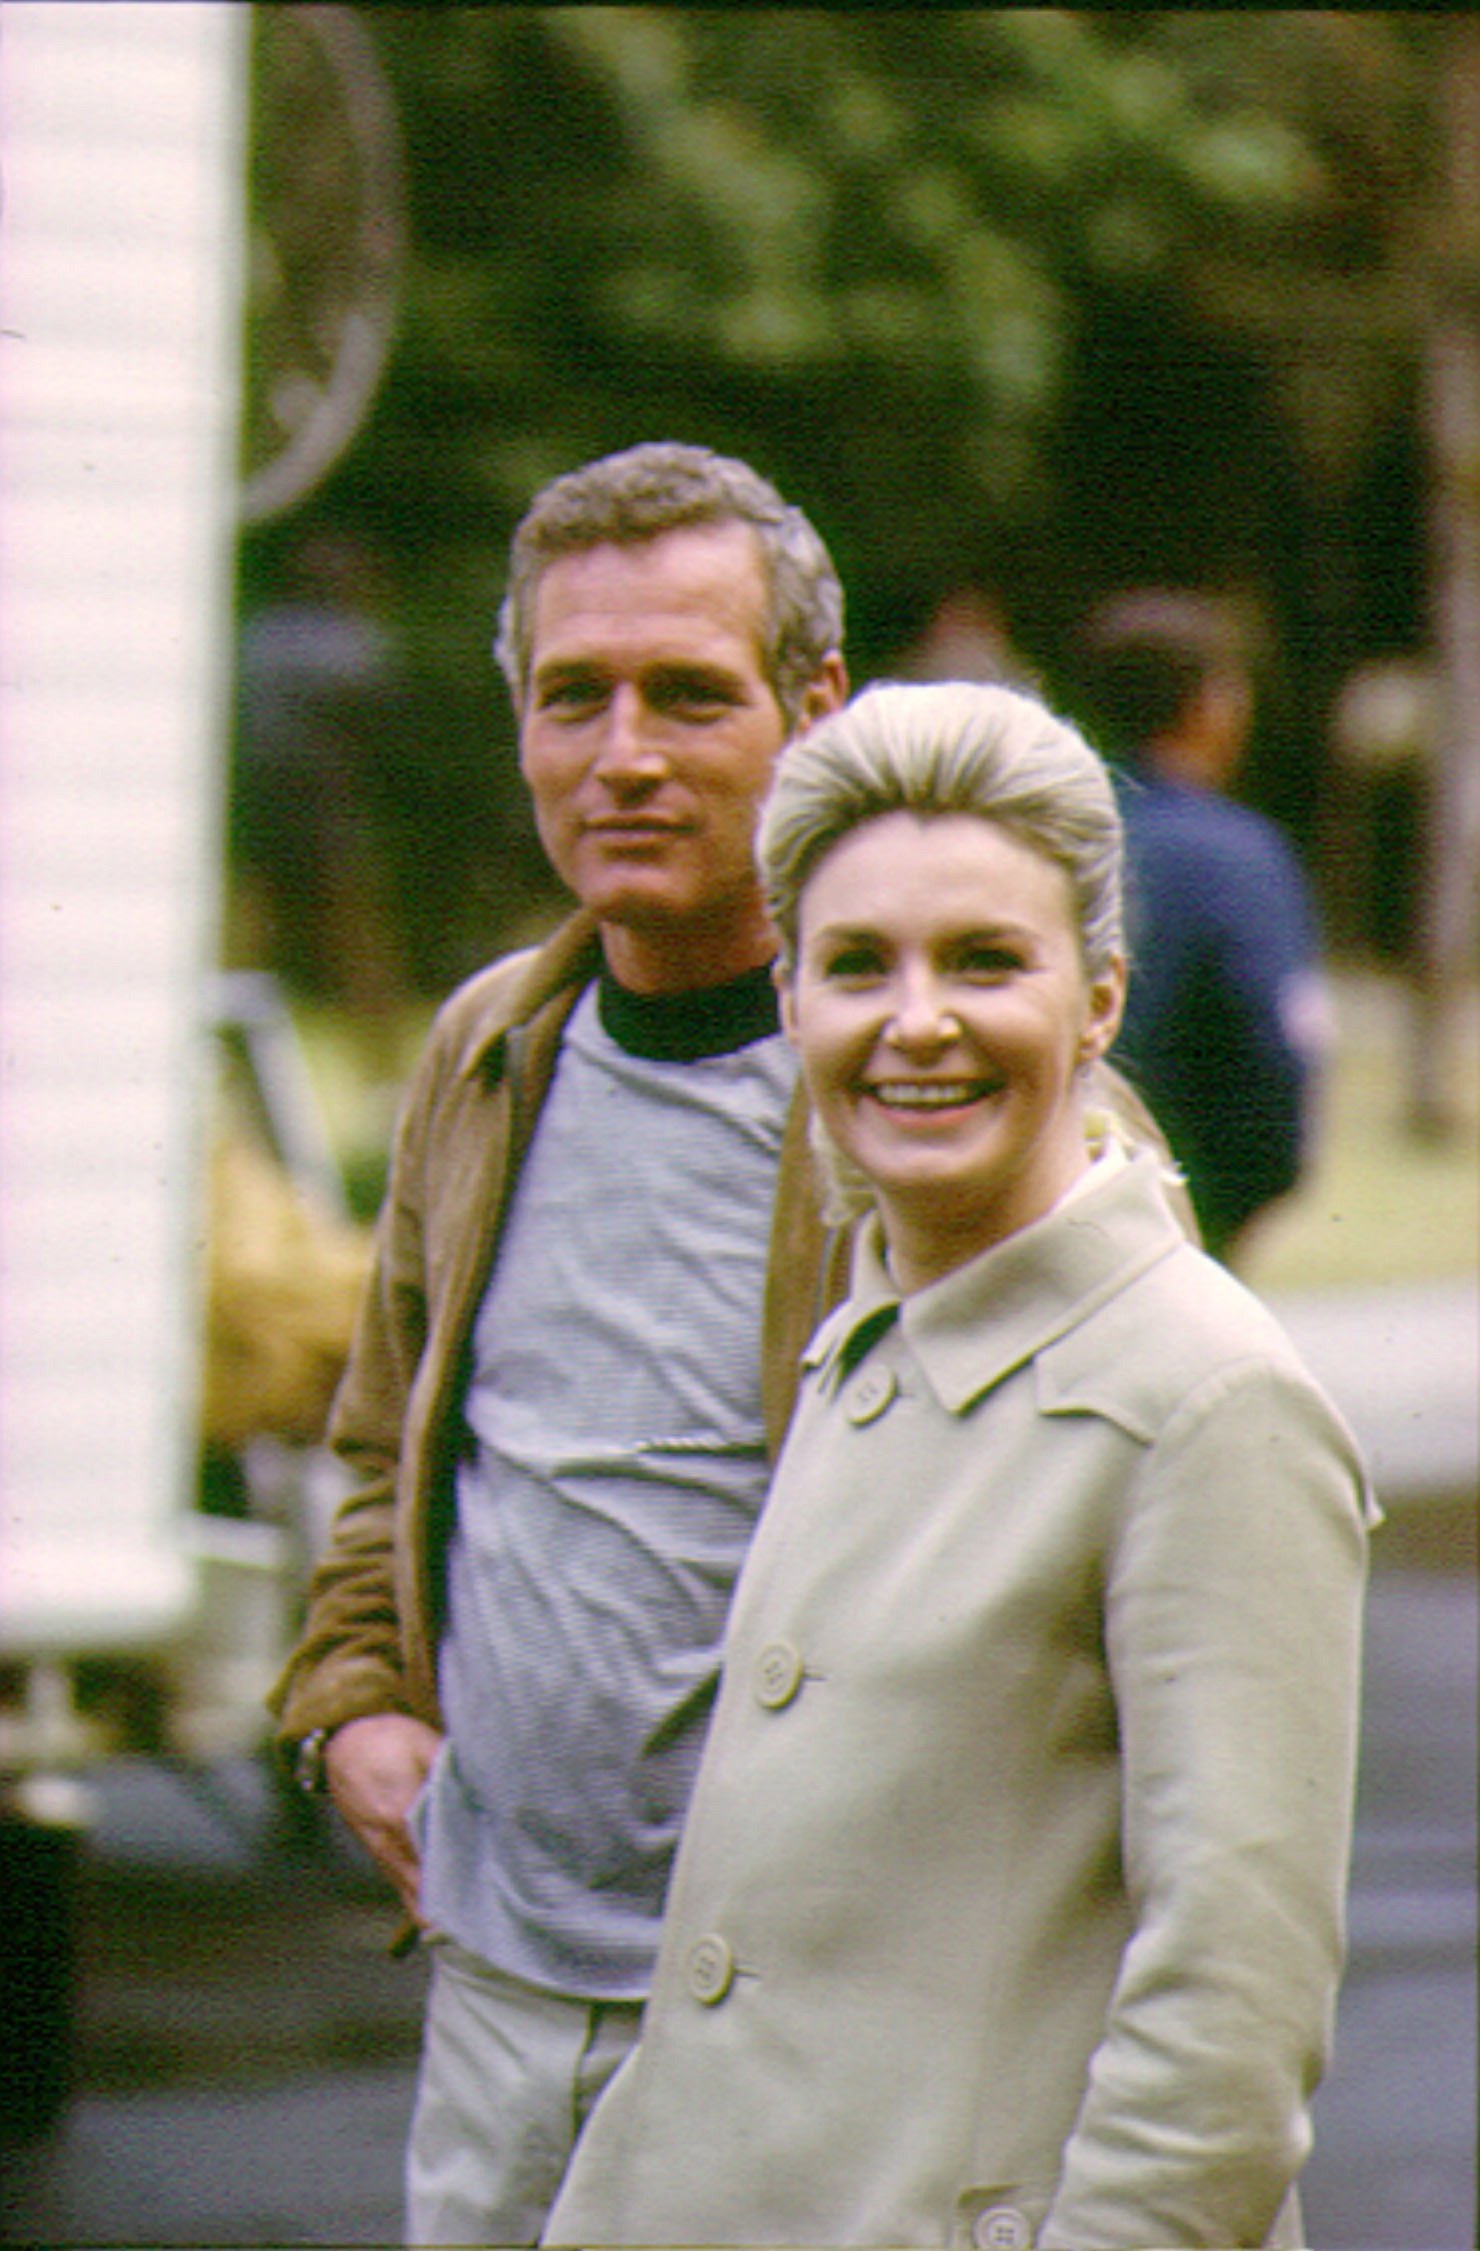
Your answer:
<point x="922" y="1019"/>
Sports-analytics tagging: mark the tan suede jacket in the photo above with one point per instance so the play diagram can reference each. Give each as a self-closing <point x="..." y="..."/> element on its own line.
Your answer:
<point x="370" y="1639"/>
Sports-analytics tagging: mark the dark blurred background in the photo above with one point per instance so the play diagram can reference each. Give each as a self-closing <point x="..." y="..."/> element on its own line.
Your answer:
<point x="1020" y="305"/>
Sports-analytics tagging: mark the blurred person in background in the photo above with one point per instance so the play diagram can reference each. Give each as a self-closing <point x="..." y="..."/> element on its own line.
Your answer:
<point x="319" y="689"/>
<point x="1009" y="1907"/>
<point x="598" y="1259"/>
<point x="965" y="637"/>
<point x="1228" y="1018"/>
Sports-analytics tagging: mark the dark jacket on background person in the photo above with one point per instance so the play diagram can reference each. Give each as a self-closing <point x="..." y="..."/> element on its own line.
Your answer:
<point x="1225" y="1019"/>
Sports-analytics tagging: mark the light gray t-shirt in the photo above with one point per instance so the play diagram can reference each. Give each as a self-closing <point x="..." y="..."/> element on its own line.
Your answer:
<point x="615" y="1474"/>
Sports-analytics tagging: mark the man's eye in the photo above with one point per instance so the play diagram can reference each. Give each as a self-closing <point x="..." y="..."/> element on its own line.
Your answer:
<point x="570" y="695"/>
<point x="694" y="698"/>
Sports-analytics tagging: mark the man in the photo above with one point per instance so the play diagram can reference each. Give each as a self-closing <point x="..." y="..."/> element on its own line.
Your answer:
<point x="1226" y="1019"/>
<point x="597" y="1264"/>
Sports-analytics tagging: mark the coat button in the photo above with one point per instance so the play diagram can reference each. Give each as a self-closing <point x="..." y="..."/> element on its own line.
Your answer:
<point x="870" y="1394"/>
<point x="1003" y="2228"/>
<point x="778" y="1674"/>
<point x="711" y="1970"/>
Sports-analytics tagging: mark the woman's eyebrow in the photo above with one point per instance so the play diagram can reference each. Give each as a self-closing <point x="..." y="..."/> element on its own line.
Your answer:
<point x="833" y="932"/>
<point x="964" y="933"/>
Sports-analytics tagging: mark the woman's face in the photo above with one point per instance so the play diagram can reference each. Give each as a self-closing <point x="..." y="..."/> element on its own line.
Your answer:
<point x="941" y="1009"/>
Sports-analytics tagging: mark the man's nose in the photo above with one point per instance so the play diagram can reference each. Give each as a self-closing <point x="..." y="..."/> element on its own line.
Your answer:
<point x="630" y="751"/>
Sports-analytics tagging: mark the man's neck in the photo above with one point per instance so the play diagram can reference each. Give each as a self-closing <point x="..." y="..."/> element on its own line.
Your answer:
<point x="1202" y="750"/>
<point x="686" y="959"/>
<point x="1183" y="762"/>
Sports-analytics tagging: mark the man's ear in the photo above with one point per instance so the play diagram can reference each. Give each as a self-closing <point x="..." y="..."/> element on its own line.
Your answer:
<point x="825" y="692"/>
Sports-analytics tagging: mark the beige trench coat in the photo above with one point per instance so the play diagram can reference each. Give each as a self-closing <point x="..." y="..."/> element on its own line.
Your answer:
<point x="1010" y="1905"/>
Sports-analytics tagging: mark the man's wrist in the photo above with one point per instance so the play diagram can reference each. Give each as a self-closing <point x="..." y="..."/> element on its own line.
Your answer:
<point x="310" y="1770"/>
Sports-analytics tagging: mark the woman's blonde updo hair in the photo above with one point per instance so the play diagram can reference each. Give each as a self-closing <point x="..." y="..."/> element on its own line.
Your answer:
<point x="938" y="748"/>
<point x="947" y="747"/>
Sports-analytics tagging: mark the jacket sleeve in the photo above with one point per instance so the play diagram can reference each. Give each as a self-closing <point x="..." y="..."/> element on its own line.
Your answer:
<point x="1233" y="1609"/>
<point x="349" y="1661"/>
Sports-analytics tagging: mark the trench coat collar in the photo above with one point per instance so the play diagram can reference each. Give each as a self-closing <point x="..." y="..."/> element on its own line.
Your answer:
<point x="979" y="1322"/>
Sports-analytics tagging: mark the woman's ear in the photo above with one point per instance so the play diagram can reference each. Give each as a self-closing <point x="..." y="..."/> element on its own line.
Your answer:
<point x="781" y="978"/>
<point x="1106" y="1007"/>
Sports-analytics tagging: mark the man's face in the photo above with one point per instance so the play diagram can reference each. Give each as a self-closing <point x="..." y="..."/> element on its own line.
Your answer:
<point x="647" y="738"/>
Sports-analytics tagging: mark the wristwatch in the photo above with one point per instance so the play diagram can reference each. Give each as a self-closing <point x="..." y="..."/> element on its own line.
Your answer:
<point x="309" y="1771"/>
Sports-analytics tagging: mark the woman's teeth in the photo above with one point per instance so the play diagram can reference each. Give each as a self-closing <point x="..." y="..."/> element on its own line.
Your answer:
<point x="934" y="1094"/>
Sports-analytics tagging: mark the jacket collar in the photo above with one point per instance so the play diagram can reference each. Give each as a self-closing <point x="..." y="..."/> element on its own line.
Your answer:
<point x="978" y="1323"/>
<point x="558" y="969"/>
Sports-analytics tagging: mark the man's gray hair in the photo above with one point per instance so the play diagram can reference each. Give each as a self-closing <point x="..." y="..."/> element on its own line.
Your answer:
<point x="627" y="498"/>
<point x="948" y="747"/>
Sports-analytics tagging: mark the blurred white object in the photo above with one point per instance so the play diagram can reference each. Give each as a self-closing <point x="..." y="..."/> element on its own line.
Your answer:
<point x="120" y="268"/>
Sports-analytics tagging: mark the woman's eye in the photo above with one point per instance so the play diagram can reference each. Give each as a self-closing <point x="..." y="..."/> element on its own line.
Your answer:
<point x="853" y="961"/>
<point x="990" y="961"/>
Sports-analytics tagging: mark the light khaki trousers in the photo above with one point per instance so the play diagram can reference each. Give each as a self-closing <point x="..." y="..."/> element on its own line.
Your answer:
<point x="508" y="2077"/>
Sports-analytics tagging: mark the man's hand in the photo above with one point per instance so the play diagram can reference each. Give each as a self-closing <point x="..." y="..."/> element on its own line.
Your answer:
<point x="375" y="1767"/>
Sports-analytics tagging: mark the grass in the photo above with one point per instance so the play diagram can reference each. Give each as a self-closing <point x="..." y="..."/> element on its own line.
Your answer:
<point x="1382" y="1204"/>
<point x="357" y="1075"/>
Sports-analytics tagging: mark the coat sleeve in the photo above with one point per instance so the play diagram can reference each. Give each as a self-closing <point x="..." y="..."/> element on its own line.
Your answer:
<point x="1233" y="1618"/>
<point x="349" y="1661"/>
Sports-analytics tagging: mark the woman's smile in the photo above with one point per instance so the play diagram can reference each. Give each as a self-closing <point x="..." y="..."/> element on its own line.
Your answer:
<point x="943" y="1012"/>
<point x="931" y="1096"/>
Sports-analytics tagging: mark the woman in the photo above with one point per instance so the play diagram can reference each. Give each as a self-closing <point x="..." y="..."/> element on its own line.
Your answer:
<point x="1009" y="1909"/>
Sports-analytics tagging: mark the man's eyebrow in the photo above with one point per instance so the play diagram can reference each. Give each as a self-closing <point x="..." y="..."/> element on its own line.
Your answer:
<point x="567" y="668"/>
<point x="674" y="671"/>
<point x="698" y="672"/>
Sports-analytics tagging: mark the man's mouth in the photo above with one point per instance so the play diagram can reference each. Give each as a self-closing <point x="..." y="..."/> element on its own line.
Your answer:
<point x="633" y="825"/>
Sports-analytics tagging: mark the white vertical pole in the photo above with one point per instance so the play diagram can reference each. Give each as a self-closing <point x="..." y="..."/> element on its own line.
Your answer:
<point x="121" y="125"/>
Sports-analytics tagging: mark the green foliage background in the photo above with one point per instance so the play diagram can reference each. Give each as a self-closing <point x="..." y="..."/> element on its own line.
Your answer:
<point x="1041" y="300"/>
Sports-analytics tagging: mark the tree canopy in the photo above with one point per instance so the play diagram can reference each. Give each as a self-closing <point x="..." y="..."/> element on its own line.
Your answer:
<point x="1028" y="297"/>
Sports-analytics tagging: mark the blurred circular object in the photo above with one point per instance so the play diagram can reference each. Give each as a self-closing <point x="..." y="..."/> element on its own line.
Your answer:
<point x="326" y="248"/>
<point x="1387" y="716"/>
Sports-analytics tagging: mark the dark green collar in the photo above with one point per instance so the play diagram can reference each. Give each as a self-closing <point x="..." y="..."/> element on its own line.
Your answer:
<point x="685" y="1027"/>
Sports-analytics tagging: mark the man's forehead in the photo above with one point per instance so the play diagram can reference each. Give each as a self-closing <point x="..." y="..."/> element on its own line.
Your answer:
<point x="726" y="543"/>
<point x="712" y="574"/>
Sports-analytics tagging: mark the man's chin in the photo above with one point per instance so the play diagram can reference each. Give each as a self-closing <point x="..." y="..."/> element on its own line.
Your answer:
<point x="645" y="909"/>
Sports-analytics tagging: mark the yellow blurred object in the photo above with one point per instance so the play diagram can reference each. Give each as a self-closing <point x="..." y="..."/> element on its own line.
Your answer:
<point x="283" y="1285"/>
